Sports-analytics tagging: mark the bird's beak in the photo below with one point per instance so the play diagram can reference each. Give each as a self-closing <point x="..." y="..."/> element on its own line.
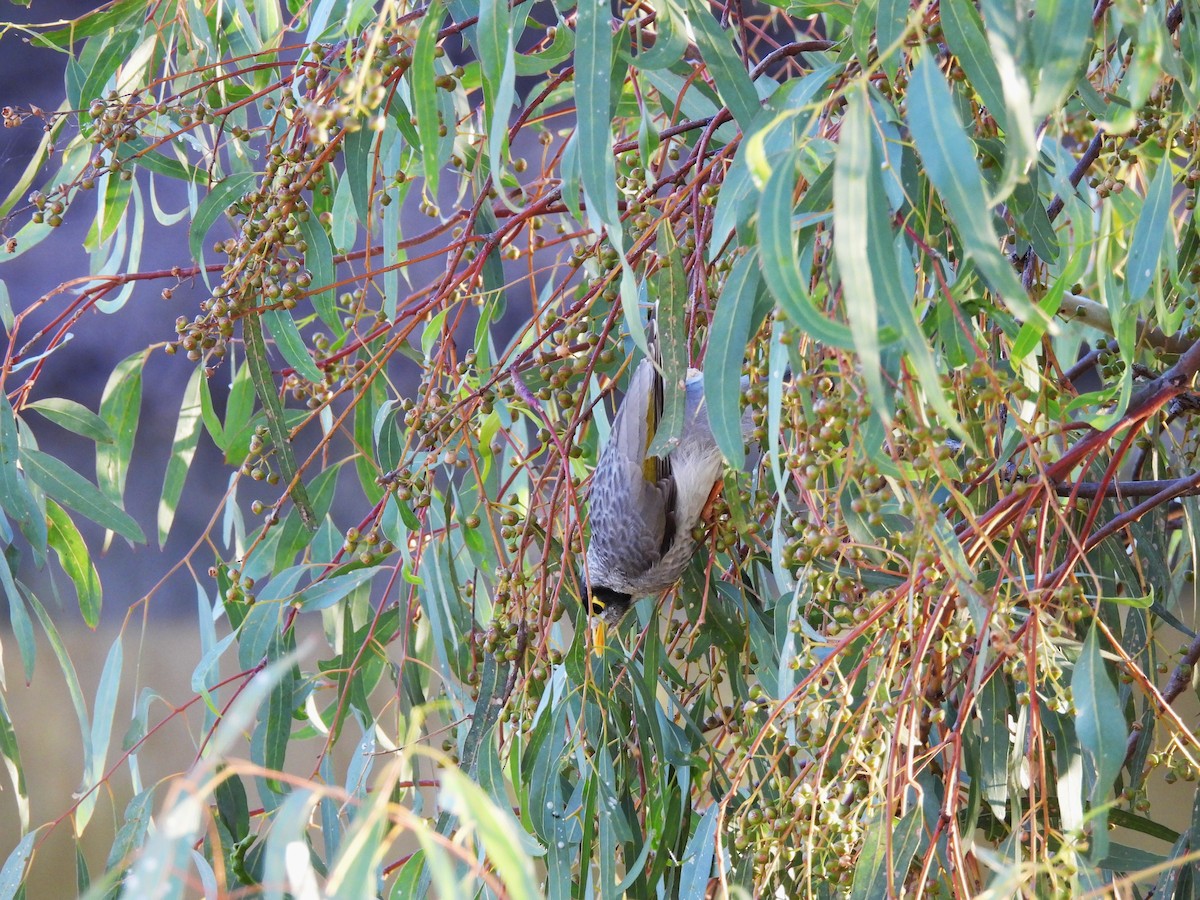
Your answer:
<point x="599" y="630"/>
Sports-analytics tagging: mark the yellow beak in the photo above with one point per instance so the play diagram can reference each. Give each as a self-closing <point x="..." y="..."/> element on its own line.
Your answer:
<point x="599" y="630"/>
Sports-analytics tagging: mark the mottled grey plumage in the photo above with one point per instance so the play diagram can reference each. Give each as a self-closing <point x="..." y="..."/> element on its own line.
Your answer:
<point x="643" y="510"/>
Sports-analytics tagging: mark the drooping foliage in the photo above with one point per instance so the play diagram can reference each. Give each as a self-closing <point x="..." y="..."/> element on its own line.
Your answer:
<point x="939" y="623"/>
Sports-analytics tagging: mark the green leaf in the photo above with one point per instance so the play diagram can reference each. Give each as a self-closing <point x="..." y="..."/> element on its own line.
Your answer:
<point x="965" y="35"/>
<point x="125" y="14"/>
<point x="425" y="94"/>
<point x="318" y="259"/>
<point x="10" y="751"/>
<point x="593" y="88"/>
<point x="728" y="69"/>
<point x="15" y="497"/>
<point x="1063" y="33"/>
<point x="873" y="867"/>
<point x="698" y="860"/>
<point x="281" y="866"/>
<point x="74" y="417"/>
<point x="995" y="744"/>
<point x="111" y="203"/>
<point x="264" y="388"/>
<point x="670" y="38"/>
<point x="97" y="62"/>
<point x="12" y="876"/>
<point x="72" y="490"/>
<point x="1148" y="233"/>
<point x="139" y="152"/>
<point x="183" y="450"/>
<point x="871" y="269"/>
<point x="73" y="556"/>
<point x="18" y="618"/>
<point x="727" y="341"/>
<point x="781" y="267"/>
<point x="1099" y="721"/>
<point x="950" y="164"/>
<point x="328" y="591"/>
<point x="100" y="735"/>
<point x="208" y="414"/>
<point x="120" y="408"/>
<point x="272" y="735"/>
<point x="232" y="804"/>
<point x="287" y="338"/>
<point x="507" y="844"/>
<point x="6" y="310"/>
<point x="496" y="36"/>
<point x="220" y="197"/>
<point x="1009" y="40"/>
<point x="859" y="204"/>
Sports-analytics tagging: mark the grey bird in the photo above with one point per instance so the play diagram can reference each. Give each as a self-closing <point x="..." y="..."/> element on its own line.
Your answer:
<point x="644" y="508"/>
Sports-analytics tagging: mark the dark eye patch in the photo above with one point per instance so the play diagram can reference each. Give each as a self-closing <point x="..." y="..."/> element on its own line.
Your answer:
<point x="597" y="605"/>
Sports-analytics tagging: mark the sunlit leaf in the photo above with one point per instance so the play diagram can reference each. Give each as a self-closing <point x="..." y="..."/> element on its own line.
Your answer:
<point x="74" y="417"/>
<point x="73" y="556"/>
<point x="183" y="449"/>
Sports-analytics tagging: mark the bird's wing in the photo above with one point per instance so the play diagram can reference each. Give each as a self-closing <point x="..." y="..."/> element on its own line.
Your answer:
<point x="653" y="494"/>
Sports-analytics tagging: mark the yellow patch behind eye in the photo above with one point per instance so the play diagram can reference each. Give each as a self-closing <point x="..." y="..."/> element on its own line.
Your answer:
<point x="597" y="606"/>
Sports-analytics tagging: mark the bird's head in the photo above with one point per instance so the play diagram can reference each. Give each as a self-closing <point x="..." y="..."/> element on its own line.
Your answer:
<point x="606" y="608"/>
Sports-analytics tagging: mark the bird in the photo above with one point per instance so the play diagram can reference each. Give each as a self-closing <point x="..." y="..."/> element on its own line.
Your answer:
<point x="644" y="509"/>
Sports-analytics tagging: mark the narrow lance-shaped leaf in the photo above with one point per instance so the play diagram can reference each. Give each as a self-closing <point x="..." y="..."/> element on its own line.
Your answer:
<point x="183" y="449"/>
<point x="593" y="84"/>
<point x="424" y="94"/>
<point x="853" y="199"/>
<point x="1064" y="30"/>
<point x="11" y="752"/>
<point x="729" y="71"/>
<point x="1008" y="39"/>
<point x="318" y="259"/>
<point x="120" y="408"/>
<point x="74" y="417"/>
<point x="264" y="387"/>
<point x="869" y="263"/>
<point x="509" y="848"/>
<point x="18" y="618"/>
<point x="213" y="206"/>
<point x="950" y="164"/>
<point x="964" y="33"/>
<point x="291" y="345"/>
<point x="697" y="864"/>
<point x="328" y="591"/>
<point x="496" y="36"/>
<point x="670" y="39"/>
<point x="70" y="676"/>
<point x="101" y="733"/>
<point x="1148" y="234"/>
<point x="1099" y="721"/>
<point x="780" y="267"/>
<point x="723" y="362"/>
<point x="71" y="489"/>
<point x="75" y="560"/>
<point x="15" y="497"/>
<point x="12" y="875"/>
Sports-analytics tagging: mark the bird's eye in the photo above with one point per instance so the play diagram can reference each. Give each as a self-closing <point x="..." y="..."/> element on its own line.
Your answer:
<point x="597" y="605"/>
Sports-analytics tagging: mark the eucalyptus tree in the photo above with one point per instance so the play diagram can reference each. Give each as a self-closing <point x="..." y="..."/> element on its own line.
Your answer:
<point x="937" y="632"/>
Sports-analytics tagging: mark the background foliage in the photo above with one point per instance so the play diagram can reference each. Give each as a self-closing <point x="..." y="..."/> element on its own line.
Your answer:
<point x="933" y="641"/>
